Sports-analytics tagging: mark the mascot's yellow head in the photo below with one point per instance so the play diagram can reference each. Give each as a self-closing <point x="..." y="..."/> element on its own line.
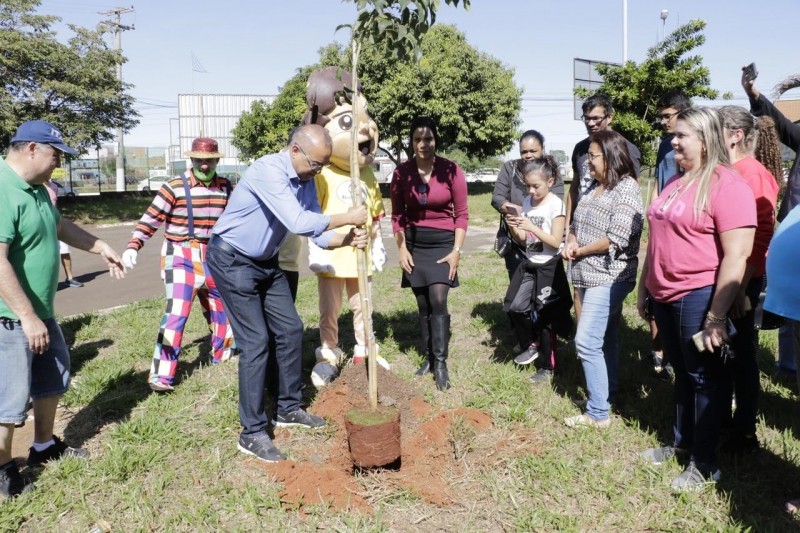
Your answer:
<point x="330" y="104"/>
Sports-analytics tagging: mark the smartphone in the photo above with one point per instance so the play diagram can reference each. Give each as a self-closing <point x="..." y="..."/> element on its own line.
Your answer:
<point x="698" y="337"/>
<point x="750" y="72"/>
<point x="514" y="210"/>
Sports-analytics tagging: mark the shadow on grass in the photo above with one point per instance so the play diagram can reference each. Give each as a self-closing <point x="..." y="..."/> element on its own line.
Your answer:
<point x="501" y="337"/>
<point x="122" y="393"/>
<point x="779" y="412"/>
<point x="86" y="352"/>
<point x="758" y="485"/>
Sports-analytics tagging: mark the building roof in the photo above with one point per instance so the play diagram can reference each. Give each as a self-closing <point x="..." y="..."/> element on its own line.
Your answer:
<point x="790" y="108"/>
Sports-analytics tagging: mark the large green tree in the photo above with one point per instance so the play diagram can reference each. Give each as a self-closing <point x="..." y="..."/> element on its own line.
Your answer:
<point x="71" y="84"/>
<point x="471" y="95"/>
<point x="636" y="88"/>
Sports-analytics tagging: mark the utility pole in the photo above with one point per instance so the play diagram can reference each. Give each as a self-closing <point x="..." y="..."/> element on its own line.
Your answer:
<point x="624" y="31"/>
<point x="117" y="26"/>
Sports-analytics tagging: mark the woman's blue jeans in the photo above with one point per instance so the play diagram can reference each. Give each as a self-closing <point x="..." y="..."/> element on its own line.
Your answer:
<point x="597" y="343"/>
<point x="698" y="375"/>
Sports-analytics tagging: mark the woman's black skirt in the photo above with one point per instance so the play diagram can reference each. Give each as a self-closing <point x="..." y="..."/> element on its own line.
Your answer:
<point x="428" y="245"/>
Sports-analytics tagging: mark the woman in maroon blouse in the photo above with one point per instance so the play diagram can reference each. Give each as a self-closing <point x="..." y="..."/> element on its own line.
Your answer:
<point x="429" y="222"/>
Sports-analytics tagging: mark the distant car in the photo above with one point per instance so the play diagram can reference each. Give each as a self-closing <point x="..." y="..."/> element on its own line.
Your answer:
<point x="152" y="184"/>
<point x="483" y="175"/>
<point x="64" y="190"/>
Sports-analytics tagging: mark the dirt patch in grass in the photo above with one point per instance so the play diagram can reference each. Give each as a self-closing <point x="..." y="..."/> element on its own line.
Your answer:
<point x="430" y="444"/>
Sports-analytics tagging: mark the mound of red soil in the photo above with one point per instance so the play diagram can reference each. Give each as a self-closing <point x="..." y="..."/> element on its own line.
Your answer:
<point x="428" y="458"/>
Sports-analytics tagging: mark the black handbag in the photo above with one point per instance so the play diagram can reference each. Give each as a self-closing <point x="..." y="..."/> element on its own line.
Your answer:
<point x="503" y="242"/>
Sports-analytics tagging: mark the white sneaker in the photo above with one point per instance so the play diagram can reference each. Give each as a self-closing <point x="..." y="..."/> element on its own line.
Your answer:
<point x="360" y="356"/>
<point x="334" y="355"/>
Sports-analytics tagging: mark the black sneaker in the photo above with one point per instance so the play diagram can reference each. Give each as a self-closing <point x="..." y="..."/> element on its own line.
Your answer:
<point x="299" y="418"/>
<point x="11" y="481"/>
<point x="543" y="375"/>
<point x="658" y="456"/>
<point x="261" y="447"/>
<point x="695" y="479"/>
<point x="55" y="451"/>
<point x="528" y="356"/>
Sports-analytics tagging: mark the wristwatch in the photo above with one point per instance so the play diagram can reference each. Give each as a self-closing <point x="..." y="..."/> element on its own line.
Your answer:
<point x="457" y="249"/>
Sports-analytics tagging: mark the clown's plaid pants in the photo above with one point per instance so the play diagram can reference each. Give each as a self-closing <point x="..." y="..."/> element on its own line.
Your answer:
<point x="186" y="275"/>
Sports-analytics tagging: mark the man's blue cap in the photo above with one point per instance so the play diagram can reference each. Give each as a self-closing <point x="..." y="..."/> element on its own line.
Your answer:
<point x="41" y="131"/>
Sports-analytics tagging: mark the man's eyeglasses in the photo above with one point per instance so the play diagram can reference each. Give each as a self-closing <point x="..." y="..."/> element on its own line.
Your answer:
<point x="316" y="166"/>
<point x="422" y="191"/>
<point x="667" y="116"/>
<point x="593" y="120"/>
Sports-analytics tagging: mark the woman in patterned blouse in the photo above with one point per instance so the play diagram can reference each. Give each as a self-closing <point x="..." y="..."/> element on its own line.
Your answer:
<point x="602" y="247"/>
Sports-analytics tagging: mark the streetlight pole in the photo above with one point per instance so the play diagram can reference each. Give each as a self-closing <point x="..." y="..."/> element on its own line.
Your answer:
<point x="624" y="31"/>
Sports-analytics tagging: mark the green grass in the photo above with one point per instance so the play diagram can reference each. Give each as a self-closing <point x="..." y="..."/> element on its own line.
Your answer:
<point x="104" y="209"/>
<point x="169" y="463"/>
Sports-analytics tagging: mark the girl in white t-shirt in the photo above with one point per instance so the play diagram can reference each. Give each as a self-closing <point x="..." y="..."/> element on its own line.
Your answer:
<point x="540" y="230"/>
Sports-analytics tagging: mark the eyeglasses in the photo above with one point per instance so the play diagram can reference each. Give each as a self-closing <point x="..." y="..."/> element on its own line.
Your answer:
<point x="667" y="116"/>
<point x="422" y="191"/>
<point x="592" y="156"/>
<point x="593" y="120"/>
<point x="316" y="166"/>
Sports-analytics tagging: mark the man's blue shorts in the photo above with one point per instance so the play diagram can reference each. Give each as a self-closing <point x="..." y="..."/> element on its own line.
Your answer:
<point x="27" y="375"/>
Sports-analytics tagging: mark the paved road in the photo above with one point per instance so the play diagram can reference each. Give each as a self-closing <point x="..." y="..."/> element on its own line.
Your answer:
<point x="101" y="292"/>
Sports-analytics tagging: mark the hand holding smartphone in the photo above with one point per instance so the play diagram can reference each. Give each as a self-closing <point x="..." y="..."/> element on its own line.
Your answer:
<point x="698" y="337"/>
<point x="750" y="72"/>
<point x="514" y="210"/>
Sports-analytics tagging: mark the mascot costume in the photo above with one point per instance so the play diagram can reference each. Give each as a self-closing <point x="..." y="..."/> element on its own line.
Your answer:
<point x="329" y="96"/>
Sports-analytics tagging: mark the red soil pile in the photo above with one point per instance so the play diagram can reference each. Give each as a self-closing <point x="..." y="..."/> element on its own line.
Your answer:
<point x="323" y="474"/>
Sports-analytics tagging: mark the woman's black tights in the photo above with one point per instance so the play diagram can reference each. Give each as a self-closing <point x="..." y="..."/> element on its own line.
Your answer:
<point x="432" y="300"/>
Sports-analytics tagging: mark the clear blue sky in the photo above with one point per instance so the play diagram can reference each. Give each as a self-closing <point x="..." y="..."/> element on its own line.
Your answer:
<point x="253" y="47"/>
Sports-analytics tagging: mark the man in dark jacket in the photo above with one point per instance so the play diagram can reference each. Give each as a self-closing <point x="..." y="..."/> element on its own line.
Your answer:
<point x="789" y="134"/>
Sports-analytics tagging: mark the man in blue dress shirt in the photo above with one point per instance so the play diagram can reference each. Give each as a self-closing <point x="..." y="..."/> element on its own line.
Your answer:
<point x="275" y="197"/>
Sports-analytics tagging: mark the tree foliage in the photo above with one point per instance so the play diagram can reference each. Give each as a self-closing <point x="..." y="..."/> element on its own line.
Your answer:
<point x="73" y="85"/>
<point x="636" y="88"/>
<point x="471" y="95"/>
<point x="397" y="25"/>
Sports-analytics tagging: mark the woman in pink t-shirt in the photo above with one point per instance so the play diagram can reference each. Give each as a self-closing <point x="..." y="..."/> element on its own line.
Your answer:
<point x="742" y="138"/>
<point x="701" y="234"/>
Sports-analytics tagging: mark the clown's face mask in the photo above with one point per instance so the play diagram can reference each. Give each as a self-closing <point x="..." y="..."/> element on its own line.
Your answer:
<point x="339" y="127"/>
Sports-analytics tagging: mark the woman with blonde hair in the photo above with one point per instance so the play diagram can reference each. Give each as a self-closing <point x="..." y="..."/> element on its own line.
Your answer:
<point x="701" y="234"/>
<point x="743" y="136"/>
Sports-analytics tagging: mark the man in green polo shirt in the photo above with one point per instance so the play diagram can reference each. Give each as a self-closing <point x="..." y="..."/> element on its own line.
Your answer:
<point x="34" y="361"/>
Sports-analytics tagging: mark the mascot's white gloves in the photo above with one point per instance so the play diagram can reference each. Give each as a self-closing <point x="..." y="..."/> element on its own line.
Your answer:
<point x="378" y="254"/>
<point x="129" y="258"/>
